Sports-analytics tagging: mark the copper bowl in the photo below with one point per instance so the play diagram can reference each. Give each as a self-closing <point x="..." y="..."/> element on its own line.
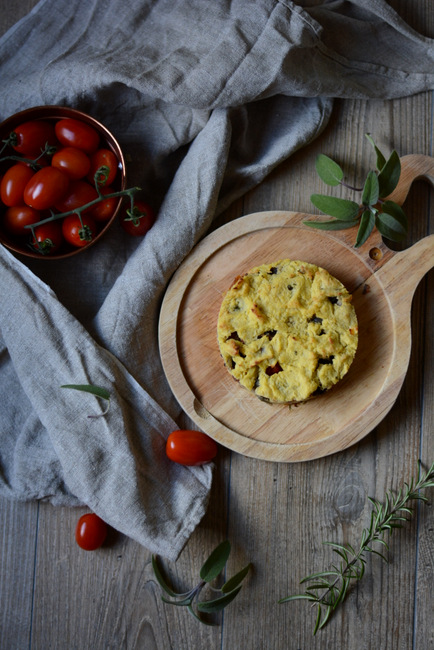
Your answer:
<point x="53" y="113"/>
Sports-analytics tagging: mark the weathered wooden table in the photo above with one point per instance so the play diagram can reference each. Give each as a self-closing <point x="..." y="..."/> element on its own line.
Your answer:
<point x="276" y="515"/>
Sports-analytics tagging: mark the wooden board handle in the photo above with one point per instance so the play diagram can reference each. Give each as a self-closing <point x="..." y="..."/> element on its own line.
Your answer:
<point x="413" y="166"/>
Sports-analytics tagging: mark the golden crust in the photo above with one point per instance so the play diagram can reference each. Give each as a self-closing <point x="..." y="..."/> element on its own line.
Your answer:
<point x="287" y="331"/>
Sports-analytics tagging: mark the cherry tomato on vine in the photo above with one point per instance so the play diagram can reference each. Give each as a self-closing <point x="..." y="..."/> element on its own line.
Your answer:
<point x="48" y="237"/>
<point x="45" y="188"/>
<point x="90" y="532"/>
<point x="103" y="211"/>
<point x="14" y="183"/>
<point x="32" y="137"/>
<point x="17" y="217"/>
<point x="79" y="193"/>
<point x="103" y="158"/>
<point x="142" y="220"/>
<point x="74" y="133"/>
<point x="188" y="447"/>
<point x="79" y="232"/>
<point x="74" y="162"/>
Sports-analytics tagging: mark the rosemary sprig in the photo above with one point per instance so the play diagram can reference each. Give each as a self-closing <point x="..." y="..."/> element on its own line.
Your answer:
<point x="209" y="571"/>
<point x="373" y="211"/>
<point x="327" y="589"/>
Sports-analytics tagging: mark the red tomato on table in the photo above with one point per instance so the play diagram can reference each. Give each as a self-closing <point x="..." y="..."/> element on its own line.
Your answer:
<point x="17" y="217"/>
<point x="14" y="183"/>
<point x="74" y="162"/>
<point x="48" y="237"/>
<point x="104" y="210"/>
<point x="90" y="532"/>
<point x="140" y="224"/>
<point x="79" y="233"/>
<point x="45" y="188"/>
<point x="188" y="447"/>
<point x="103" y="158"/>
<point x="32" y="136"/>
<point x="74" y="133"/>
<point x="79" y="193"/>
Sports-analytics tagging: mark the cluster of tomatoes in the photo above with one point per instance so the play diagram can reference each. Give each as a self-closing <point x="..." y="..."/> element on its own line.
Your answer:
<point x="64" y="166"/>
<point x="185" y="447"/>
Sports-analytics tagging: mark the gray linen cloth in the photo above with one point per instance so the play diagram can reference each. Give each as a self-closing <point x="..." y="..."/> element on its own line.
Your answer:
<point x="206" y="98"/>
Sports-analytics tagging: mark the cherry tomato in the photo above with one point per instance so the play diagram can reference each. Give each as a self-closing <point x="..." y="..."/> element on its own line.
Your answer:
<point x="103" y="158"/>
<point x="190" y="447"/>
<point x="17" y="217"/>
<point x="32" y="137"/>
<point x="48" y="237"/>
<point x="79" y="232"/>
<point x="45" y="188"/>
<point x="103" y="211"/>
<point x="74" y="133"/>
<point x="74" y="162"/>
<point x="140" y="224"/>
<point x="14" y="183"/>
<point x="79" y="193"/>
<point x="90" y="532"/>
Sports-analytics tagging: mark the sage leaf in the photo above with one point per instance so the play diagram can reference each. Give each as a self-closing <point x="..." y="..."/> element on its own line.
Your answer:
<point x="160" y="579"/>
<point x="381" y="160"/>
<point x="218" y="603"/>
<point x="395" y="210"/>
<point x="216" y="561"/>
<point x="237" y="579"/>
<point x="389" y="175"/>
<point x="370" y="189"/>
<point x="99" y="391"/>
<point x="390" y="227"/>
<point x="367" y="223"/>
<point x="343" y="209"/>
<point x="335" y="224"/>
<point x="328" y="170"/>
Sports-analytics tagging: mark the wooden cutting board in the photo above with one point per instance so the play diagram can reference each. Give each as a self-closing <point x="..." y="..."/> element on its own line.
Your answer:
<point x="382" y="283"/>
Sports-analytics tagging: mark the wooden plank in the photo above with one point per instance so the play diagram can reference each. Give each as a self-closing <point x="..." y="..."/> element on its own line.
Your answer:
<point x="18" y="530"/>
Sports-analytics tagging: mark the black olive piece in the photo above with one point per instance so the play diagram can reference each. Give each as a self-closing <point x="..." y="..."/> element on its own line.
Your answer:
<point x="235" y="337"/>
<point x="273" y="270"/>
<point x="269" y="334"/>
<point x="334" y="300"/>
<point x="325" y="362"/>
<point x="315" y="319"/>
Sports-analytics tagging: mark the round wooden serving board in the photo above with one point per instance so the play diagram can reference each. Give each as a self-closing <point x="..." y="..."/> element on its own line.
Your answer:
<point x="382" y="283"/>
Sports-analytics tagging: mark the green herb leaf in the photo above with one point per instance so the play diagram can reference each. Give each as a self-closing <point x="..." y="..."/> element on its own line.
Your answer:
<point x="384" y="518"/>
<point x="335" y="224"/>
<point x="390" y="227"/>
<point x="340" y="208"/>
<point x="99" y="391"/>
<point x="216" y="561"/>
<point x="328" y="170"/>
<point x="210" y="570"/>
<point x="237" y="579"/>
<point x="218" y="603"/>
<point x="389" y="175"/>
<point x="370" y="189"/>
<point x="381" y="160"/>
<point x="160" y="579"/>
<point x="367" y="223"/>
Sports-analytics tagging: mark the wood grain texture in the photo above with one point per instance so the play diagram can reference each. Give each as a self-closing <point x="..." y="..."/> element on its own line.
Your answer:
<point x="276" y="515"/>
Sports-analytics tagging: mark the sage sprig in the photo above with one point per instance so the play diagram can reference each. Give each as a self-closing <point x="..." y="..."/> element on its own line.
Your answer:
<point x="210" y="570"/>
<point x="98" y="391"/>
<point x="327" y="589"/>
<point x="374" y="210"/>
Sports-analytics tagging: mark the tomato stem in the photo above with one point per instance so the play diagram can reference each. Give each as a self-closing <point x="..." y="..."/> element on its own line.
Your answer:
<point x="53" y="217"/>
